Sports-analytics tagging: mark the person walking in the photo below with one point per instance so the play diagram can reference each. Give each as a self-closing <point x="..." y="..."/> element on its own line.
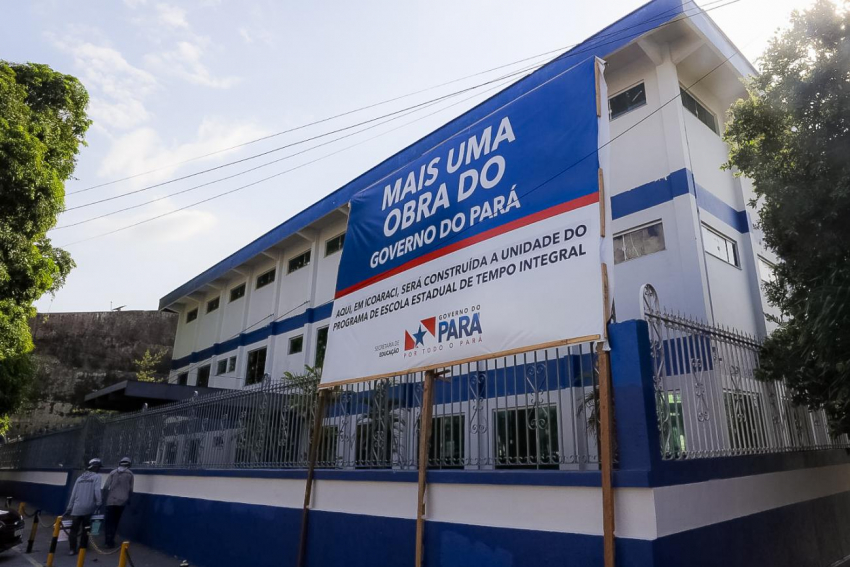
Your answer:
<point x="117" y="492"/>
<point x="85" y="500"/>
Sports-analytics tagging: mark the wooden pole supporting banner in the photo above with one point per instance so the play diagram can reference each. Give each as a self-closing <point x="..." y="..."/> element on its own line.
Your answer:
<point x="606" y="437"/>
<point x="426" y="418"/>
<point x="315" y="440"/>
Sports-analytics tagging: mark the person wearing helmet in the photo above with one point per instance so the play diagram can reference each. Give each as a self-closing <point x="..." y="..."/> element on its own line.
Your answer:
<point x="85" y="500"/>
<point x="117" y="492"/>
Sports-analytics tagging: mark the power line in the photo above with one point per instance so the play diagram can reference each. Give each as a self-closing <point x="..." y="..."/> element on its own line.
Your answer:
<point x="661" y="16"/>
<point x="246" y="186"/>
<point x="333" y="153"/>
<point x="299" y="142"/>
<point x="284" y="158"/>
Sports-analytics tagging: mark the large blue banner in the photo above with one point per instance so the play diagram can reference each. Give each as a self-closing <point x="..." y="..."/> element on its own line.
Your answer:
<point x="432" y="238"/>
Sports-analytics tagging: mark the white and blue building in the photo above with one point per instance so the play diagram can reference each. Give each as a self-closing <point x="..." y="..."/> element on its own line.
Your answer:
<point x="712" y="469"/>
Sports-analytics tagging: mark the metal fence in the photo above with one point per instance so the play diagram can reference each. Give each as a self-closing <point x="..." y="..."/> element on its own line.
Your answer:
<point x="708" y="401"/>
<point x="60" y="449"/>
<point x="536" y="410"/>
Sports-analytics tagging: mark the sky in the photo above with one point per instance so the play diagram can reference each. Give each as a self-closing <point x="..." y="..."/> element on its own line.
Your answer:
<point x="170" y="82"/>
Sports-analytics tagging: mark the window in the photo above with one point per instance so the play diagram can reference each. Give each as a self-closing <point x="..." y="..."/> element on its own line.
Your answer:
<point x="447" y="436"/>
<point x="265" y="279"/>
<point x="221" y="367"/>
<point x="673" y="424"/>
<point x="237" y="292"/>
<point x="203" y="380"/>
<point x="527" y="438"/>
<point x="374" y="444"/>
<point x="321" y="345"/>
<point x="192" y="315"/>
<point x="171" y="453"/>
<point x="334" y="244"/>
<point x="296" y="344"/>
<point x="329" y="445"/>
<point x="218" y="442"/>
<point x="192" y="452"/>
<point x="212" y="305"/>
<point x="639" y="242"/>
<point x="231" y="364"/>
<point x="299" y="262"/>
<point x="719" y="246"/>
<point x="256" y="366"/>
<point x="696" y="108"/>
<point x="629" y="99"/>
<point x="767" y="270"/>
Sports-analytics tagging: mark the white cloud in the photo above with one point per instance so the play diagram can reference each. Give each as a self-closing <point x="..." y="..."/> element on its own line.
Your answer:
<point x="246" y="35"/>
<point x="133" y="4"/>
<point x="117" y="88"/>
<point x="143" y="150"/>
<point x="172" y="16"/>
<point x="185" y="62"/>
<point x="173" y="227"/>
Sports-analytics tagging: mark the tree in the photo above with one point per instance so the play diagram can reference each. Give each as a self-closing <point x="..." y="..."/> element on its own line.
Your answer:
<point x="791" y="136"/>
<point x="146" y="366"/>
<point x="42" y="126"/>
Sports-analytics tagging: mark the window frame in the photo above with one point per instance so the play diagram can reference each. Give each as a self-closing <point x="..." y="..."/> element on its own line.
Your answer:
<point x="316" y="362"/>
<point x="611" y="115"/>
<point x="249" y="379"/>
<point x="333" y="238"/>
<point x="637" y="228"/>
<point x="763" y="265"/>
<point x="182" y="379"/>
<point x="736" y="253"/>
<point x="217" y="301"/>
<point x="208" y="369"/>
<point x="300" y="345"/>
<point x="241" y="286"/>
<point x="231" y="364"/>
<point x="191" y="315"/>
<point x="700" y="104"/>
<point x="258" y="285"/>
<point x="221" y="367"/>
<point x="307" y="253"/>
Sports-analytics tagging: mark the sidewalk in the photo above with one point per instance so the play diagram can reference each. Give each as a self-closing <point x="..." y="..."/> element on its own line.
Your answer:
<point x="141" y="556"/>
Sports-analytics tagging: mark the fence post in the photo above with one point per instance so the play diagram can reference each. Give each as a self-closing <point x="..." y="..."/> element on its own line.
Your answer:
<point x="634" y="397"/>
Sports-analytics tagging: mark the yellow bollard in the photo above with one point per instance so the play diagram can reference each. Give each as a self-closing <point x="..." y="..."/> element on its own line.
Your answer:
<point x="125" y="549"/>
<point x="21" y="508"/>
<point x="84" y="546"/>
<point x="57" y="525"/>
<point x="33" y="531"/>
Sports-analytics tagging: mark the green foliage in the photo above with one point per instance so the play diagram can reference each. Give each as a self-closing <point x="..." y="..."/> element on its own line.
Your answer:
<point x="42" y="124"/>
<point x="146" y="366"/>
<point x="791" y="136"/>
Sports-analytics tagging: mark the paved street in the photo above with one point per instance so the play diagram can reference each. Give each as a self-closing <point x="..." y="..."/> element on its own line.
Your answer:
<point x="141" y="556"/>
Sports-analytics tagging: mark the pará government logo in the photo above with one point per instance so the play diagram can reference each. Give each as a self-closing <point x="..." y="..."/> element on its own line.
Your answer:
<point x="448" y="330"/>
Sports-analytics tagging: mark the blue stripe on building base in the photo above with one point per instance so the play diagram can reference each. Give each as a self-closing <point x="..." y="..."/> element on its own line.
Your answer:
<point x="47" y="497"/>
<point x="815" y="533"/>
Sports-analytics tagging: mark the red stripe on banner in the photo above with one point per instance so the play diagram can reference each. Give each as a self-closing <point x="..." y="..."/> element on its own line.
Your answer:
<point x="487" y="234"/>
